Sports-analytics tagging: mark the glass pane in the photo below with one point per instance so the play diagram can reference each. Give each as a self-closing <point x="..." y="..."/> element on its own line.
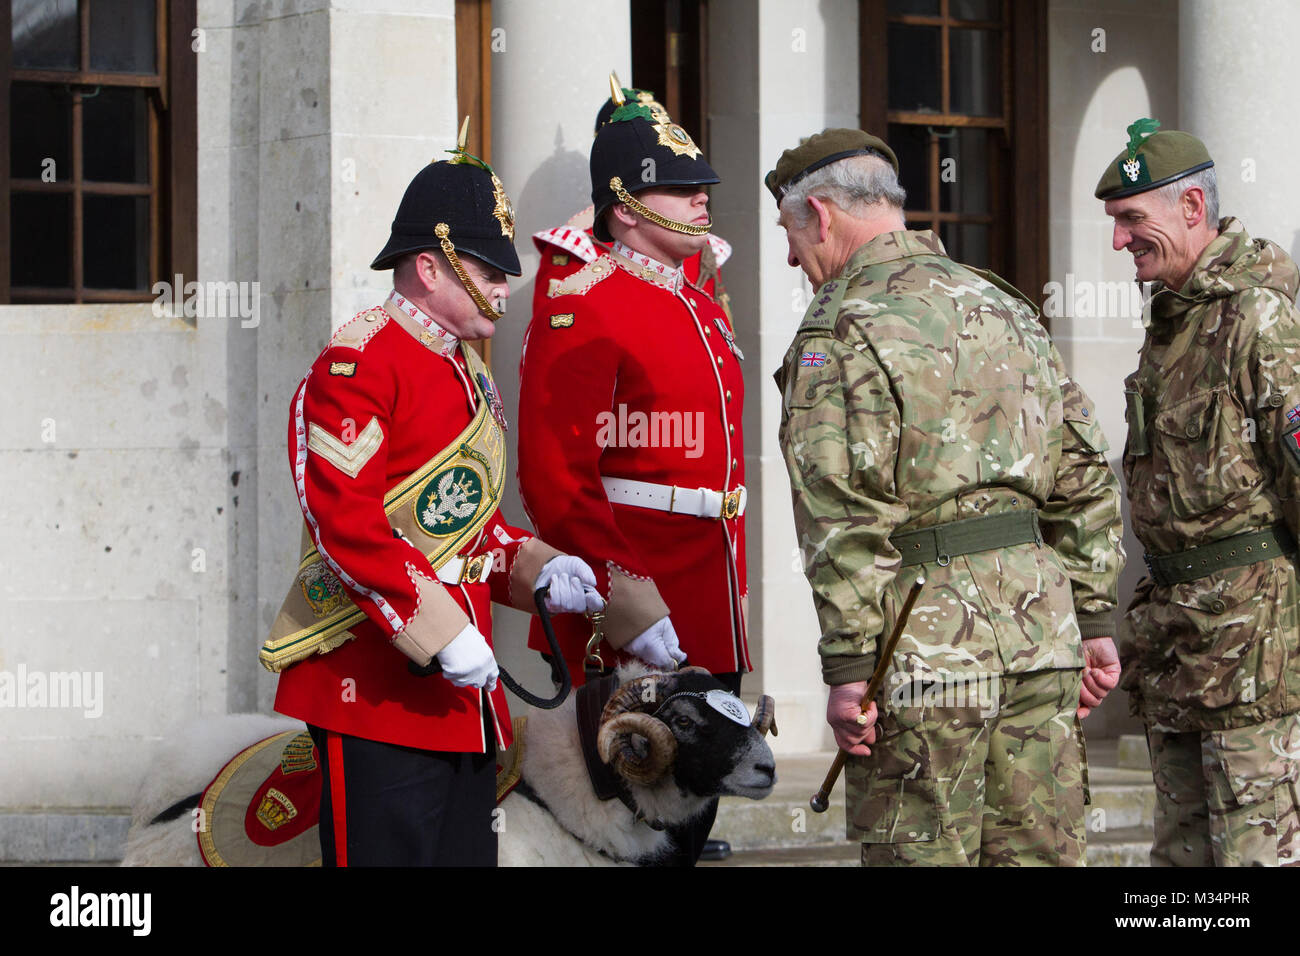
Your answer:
<point x="116" y="129"/>
<point x="927" y="8"/>
<point x="116" y="242"/>
<point x="38" y="240"/>
<point x="45" y="34"/>
<point x="40" y="130"/>
<point x="964" y="182"/>
<point x="913" y="68"/>
<point x="911" y="145"/>
<point x="975" y="9"/>
<point x="967" y="242"/>
<point x="123" y="36"/>
<point x="976" y="77"/>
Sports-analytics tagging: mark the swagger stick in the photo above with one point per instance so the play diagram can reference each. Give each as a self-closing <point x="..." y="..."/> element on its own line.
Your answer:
<point x="820" y="800"/>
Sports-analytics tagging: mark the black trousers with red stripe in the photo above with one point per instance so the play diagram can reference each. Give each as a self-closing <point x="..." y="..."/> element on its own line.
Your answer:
<point x="386" y="805"/>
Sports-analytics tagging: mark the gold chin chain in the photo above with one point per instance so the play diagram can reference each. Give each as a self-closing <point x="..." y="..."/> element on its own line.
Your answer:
<point x="645" y="212"/>
<point x="443" y="233"/>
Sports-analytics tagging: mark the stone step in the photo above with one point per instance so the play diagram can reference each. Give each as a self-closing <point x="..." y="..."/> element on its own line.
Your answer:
<point x="1121" y="812"/>
<point x="1116" y="848"/>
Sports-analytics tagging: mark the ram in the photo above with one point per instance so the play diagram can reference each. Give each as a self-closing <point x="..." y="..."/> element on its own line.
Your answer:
<point x="603" y="779"/>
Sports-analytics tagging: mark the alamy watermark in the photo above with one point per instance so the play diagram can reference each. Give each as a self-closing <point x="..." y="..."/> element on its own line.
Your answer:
<point x="57" y="690"/>
<point x="209" y="300"/>
<point x="639" y="429"/>
<point x="1089" y="299"/>
<point x="978" y="689"/>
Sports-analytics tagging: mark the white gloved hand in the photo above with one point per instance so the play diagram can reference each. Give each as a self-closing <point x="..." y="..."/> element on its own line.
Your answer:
<point x="468" y="662"/>
<point x="573" y="585"/>
<point x="657" y="645"/>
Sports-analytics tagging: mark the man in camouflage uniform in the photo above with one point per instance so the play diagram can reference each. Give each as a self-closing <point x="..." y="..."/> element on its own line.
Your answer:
<point x="930" y="428"/>
<point x="1210" y="655"/>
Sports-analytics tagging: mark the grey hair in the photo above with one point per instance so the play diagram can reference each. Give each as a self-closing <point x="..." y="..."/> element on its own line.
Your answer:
<point x="852" y="184"/>
<point x="1206" y="182"/>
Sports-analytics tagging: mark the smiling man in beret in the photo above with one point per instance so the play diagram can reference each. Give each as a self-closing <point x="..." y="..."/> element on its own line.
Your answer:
<point x="930" y="430"/>
<point x="1212" y="649"/>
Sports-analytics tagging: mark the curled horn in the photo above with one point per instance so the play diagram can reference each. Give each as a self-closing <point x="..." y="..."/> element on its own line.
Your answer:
<point x="765" y="716"/>
<point x="621" y="720"/>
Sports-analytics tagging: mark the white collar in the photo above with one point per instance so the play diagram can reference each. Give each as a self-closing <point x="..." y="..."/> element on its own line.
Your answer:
<point x="434" y="337"/>
<point x="652" y="270"/>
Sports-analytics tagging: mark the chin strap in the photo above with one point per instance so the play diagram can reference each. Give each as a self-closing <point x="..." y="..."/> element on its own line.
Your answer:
<point x="645" y="212"/>
<point x="443" y="233"/>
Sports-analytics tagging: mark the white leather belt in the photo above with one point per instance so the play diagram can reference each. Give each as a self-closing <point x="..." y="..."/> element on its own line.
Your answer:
<point x="471" y="570"/>
<point x="699" y="502"/>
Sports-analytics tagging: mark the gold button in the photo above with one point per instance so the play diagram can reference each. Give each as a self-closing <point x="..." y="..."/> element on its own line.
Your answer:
<point x="732" y="429"/>
<point x="728" y="394"/>
<point x="707" y="330"/>
<point x="719" y="359"/>
<point x="733" y="464"/>
<point x="371" y="317"/>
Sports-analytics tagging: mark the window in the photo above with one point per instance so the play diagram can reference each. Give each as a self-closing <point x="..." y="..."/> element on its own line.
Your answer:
<point x="101" y="163"/>
<point x="967" y="123"/>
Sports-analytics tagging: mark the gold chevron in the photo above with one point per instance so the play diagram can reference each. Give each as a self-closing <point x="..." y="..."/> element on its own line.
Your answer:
<point x="349" y="459"/>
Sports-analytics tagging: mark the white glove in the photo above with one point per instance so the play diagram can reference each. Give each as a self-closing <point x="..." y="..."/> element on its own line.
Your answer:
<point x="468" y="662"/>
<point x="657" y="645"/>
<point x="573" y="585"/>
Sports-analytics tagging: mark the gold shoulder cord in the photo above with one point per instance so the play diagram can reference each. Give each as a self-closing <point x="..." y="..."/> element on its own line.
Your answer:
<point x="616" y="184"/>
<point x="443" y="233"/>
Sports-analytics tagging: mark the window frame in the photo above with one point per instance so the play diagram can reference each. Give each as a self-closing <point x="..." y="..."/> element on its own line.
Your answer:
<point x="172" y="186"/>
<point x="1019" y="202"/>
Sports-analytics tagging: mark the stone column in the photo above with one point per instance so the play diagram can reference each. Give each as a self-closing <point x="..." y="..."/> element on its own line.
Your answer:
<point x="776" y="73"/>
<point x="353" y="102"/>
<point x="1235" y="64"/>
<point x="551" y="61"/>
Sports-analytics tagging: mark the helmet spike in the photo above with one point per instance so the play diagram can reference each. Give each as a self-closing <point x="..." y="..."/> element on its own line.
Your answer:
<point x="463" y="138"/>
<point x="616" y="90"/>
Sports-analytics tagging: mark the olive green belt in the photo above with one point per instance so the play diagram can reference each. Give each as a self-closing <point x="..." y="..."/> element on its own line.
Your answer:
<point x="943" y="542"/>
<point x="1233" y="552"/>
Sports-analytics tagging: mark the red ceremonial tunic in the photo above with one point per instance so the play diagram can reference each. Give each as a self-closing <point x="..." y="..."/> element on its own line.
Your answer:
<point x="566" y="249"/>
<point x="421" y="397"/>
<point x="632" y="338"/>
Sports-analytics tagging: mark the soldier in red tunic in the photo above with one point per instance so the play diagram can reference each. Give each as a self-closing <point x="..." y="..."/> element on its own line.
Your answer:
<point x="398" y="458"/>
<point x="631" y="392"/>
<point x="566" y="249"/>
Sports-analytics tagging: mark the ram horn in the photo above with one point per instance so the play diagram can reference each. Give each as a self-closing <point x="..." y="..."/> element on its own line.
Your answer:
<point x="614" y="744"/>
<point x="765" y="716"/>
<point x="640" y="694"/>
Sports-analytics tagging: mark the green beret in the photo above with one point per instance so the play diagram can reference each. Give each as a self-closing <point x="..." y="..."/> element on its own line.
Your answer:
<point x="822" y="149"/>
<point x="1151" y="160"/>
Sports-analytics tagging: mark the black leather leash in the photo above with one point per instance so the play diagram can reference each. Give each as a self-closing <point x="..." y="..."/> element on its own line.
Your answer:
<point x="566" y="683"/>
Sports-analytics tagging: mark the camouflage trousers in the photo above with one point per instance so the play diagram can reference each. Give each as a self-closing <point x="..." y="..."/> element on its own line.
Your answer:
<point x="960" y="786"/>
<point x="1228" y="797"/>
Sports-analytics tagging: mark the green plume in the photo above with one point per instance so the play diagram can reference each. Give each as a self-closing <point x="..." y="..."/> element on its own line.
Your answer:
<point x="630" y="110"/>
<point x="1138" y="132"/>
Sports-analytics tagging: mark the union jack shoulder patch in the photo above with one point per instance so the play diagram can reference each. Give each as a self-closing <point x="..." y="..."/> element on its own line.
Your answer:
<point x="812" y="359"/>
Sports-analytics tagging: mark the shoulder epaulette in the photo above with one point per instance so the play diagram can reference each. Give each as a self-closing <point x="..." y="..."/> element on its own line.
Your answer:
<point x="825" y="306"/>
<point x="360" y="329"/>
<point x="721" y="249"/>
<point x="581" y="282"/>
<point x="571" y="240"/>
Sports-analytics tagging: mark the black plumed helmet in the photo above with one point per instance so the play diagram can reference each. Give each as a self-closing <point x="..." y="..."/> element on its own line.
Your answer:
<point x="465" y="194"/>
<point x="639" y="131"/>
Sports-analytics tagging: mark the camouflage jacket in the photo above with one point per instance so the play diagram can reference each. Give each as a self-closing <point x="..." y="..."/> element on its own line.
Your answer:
<point x="1208" y="408"/>
<point x="917" y="392"/>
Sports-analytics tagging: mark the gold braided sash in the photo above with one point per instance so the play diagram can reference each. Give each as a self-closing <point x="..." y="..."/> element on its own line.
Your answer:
<point x="438" y="509"/>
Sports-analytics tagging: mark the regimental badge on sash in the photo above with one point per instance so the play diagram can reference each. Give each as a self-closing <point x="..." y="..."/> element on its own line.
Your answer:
<point x="495" y="405"/>
<point x="343" y="368"/>
<point x="730" y="338"/>
<point x="1291" y="446"/>
<point x="323" y="591"/>
<point x="562" y="321"/>
<point x="812" y="359"/>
